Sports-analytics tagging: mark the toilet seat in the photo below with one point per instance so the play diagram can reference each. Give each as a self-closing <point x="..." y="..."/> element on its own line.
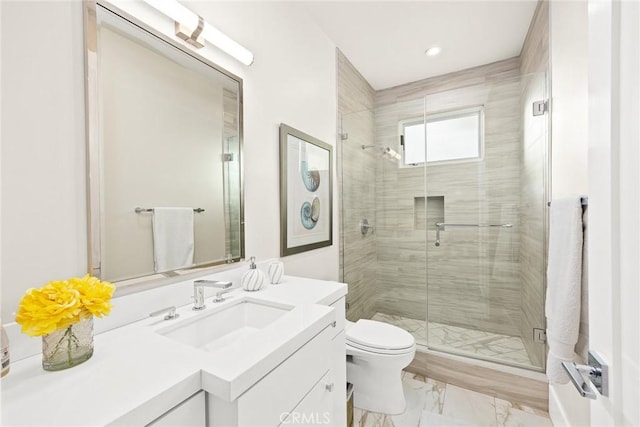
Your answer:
<point x="379" y="337"/>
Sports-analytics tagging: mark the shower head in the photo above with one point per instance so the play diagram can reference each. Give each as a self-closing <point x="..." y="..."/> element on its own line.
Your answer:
<point x="386" y="152"/>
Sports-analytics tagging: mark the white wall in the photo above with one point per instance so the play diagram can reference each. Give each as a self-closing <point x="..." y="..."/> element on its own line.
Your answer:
<point x="569" y="122"/>
<point x="568" y="51"/>
<point x="43" y="155"/>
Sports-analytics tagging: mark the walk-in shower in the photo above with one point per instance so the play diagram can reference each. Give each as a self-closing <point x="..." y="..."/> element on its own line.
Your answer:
<point x="458" y="208"/>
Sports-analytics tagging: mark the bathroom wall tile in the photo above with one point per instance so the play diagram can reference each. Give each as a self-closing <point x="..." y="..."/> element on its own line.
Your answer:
<point x="495" y="71"/>
<point x="356" y="181"/>
<point x="534" y="59"/>
<point x="469" y="406"/>
<point x="474" y="277"/>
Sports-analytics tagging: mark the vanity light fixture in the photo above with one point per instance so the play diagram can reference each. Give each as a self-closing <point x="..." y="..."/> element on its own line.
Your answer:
<point x="433" y="51"/>
<point x="193" y="29"/>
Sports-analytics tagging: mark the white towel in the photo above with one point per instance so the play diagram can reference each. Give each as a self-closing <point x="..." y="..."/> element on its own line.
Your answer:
<point x="564" y="288"/>
<point x="172" y="238"/>
<point x="582" y="346"/>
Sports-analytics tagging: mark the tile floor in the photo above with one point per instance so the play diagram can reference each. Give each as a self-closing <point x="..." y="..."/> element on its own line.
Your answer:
<point x="464" y="341"/>
<point x="434" y="404"/>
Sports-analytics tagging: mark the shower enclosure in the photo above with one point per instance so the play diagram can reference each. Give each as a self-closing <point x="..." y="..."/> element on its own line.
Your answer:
<point x="443" y="221"/>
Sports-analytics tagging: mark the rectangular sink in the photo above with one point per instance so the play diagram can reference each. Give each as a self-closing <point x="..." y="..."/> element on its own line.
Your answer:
<point x="218" y="327"/>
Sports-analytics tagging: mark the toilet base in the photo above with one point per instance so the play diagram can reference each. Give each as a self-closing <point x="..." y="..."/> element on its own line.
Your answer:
<point x="377" y="387"/>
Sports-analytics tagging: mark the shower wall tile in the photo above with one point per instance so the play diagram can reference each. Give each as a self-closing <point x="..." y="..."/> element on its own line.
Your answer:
<point x="534" y="59"/>
<point x="357" y="187"/>
<point x="474" y="276"/>
<point x="496" y="71"/>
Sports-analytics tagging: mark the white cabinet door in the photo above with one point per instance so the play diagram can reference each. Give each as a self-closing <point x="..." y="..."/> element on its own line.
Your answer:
<point x="190" y="413"/>
<point x="267" y="403"/>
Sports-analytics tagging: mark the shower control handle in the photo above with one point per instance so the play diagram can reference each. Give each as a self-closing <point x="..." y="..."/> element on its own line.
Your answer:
<point x="365" y="227"/>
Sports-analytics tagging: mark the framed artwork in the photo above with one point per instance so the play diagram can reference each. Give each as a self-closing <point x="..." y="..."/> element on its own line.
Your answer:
<point x="306" y="192"/>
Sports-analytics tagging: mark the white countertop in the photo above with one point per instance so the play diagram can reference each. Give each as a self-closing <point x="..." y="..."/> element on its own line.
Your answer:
<point x="136" y="374"/>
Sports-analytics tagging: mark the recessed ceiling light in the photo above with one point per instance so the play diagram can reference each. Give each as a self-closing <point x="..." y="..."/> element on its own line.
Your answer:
<point x="432" y="51"/>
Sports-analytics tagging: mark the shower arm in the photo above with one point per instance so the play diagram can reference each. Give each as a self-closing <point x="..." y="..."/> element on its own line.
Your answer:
<point x="440" y="227"/>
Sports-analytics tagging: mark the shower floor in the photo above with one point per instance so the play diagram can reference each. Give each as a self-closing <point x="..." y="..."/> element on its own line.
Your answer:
<point x="486" y="345"/>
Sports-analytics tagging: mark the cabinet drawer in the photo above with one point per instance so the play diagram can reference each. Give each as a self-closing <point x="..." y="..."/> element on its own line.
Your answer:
<point x="269" y="401"/>
<point x="190" y="413"/>
<point x="317" y="406"/>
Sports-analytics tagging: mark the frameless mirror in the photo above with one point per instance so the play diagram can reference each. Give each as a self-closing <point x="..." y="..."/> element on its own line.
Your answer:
<point x="165" y="147"/>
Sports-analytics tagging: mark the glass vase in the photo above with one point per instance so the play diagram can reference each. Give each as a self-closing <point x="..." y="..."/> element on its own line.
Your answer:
<point x="68" y="347"/>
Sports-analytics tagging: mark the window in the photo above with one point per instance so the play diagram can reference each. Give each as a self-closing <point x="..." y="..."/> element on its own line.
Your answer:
<point x="451" y="136"/>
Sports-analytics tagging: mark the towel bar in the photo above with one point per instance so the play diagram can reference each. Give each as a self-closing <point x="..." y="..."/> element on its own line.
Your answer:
<point x="141" y="210"/>
<point x="441" y="225"/>
<point x="584" y="200"/>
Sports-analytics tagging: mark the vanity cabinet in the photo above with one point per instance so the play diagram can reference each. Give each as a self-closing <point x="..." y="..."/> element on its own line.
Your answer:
<point x="339" y="365"/>
<point x="300" y="390"/>
<point x="190" y="413"/>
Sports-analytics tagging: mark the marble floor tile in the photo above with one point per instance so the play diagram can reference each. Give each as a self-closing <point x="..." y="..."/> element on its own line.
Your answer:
<point x="429" y="419"/>
<point x="432" y="403"/>
<point x="372" y="419"/>
<point x="511" y="415"/>
<point x="470" y="407"/>
<point x="463" y="340"/>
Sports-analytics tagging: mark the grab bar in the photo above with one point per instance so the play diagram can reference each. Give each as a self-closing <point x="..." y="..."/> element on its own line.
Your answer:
<point x="141" y="210"/>
<point x="441" y="225"/>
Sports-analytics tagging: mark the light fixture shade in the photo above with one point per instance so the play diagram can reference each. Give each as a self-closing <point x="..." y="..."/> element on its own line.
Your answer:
<point x="189" y="20"/>
<point x="175" y="11"/>
<point x="227" y="44"/>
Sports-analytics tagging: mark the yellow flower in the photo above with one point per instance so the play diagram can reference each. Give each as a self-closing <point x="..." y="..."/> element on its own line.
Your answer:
<point x="94" y="294"/>
<point x="59" y="304"/>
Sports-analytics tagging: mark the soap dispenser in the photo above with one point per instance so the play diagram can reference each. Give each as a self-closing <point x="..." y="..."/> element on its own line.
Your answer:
<point x="253" y="279"/>
<point x="5" y="352"/>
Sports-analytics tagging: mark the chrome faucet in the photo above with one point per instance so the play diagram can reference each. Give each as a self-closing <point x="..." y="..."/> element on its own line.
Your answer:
<point x="219" y="295"/>
<point x="198" y="291"/>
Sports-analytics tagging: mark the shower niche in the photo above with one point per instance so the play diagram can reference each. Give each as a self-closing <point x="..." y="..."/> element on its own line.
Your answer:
<point x="427" y="211"/>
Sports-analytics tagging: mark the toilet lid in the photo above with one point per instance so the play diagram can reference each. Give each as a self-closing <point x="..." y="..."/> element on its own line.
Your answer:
<point x="378" y="336"/>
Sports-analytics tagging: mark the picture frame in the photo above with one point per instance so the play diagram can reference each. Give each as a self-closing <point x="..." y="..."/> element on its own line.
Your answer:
<point x="306" y="192"/>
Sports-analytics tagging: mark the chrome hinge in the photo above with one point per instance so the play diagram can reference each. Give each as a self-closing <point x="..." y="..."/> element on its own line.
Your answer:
<point x="539" y="107"/>
<point x="539" y="336"/>
<point x="344" y="136"/>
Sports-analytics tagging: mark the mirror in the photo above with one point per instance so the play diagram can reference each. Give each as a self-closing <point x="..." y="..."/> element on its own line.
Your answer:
<point x="165" y="153"/>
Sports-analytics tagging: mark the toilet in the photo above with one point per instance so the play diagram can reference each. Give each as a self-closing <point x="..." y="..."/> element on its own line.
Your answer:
<point x="376" y="355"/>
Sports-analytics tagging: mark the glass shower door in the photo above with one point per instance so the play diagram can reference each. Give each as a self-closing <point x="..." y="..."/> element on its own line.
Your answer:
<point x="484" y="153"/>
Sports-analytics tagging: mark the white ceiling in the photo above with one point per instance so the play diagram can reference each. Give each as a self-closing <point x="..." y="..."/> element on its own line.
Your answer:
<point x="386" y="40"/>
